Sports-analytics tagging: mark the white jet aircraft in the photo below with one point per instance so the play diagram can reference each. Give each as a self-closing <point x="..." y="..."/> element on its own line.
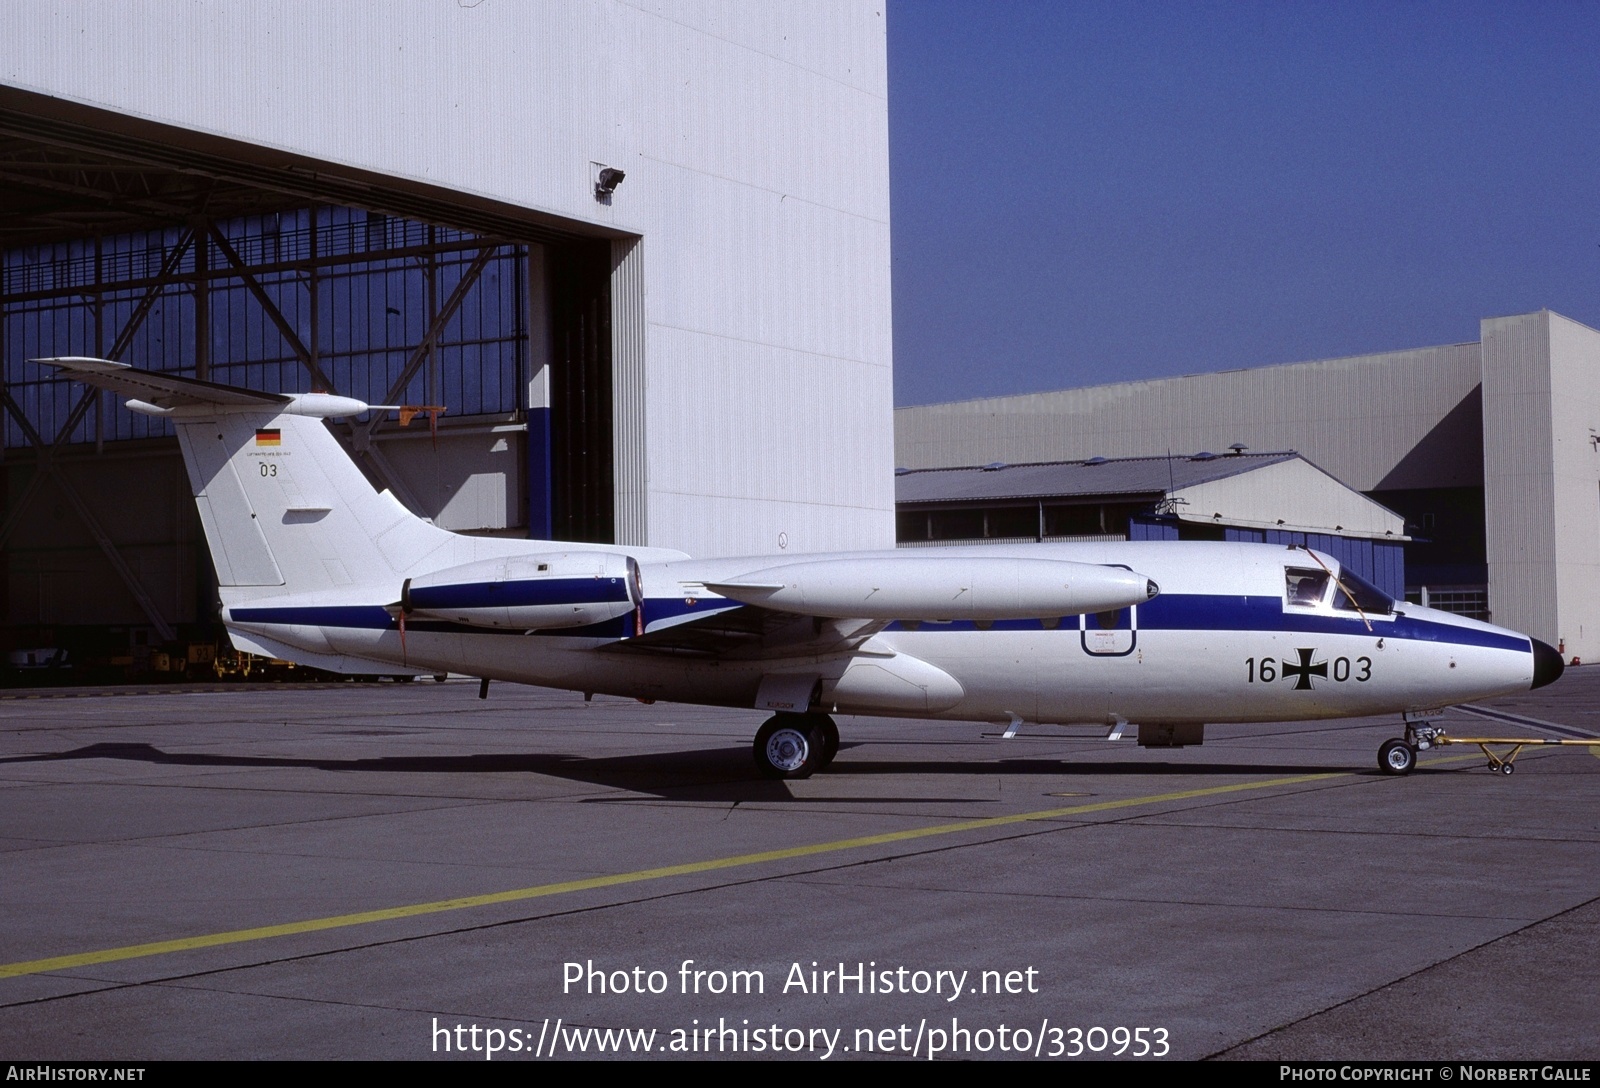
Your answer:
<point x="317" y="567"/>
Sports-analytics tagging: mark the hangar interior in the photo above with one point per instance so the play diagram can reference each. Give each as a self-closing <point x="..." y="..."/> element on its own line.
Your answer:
<point x="127" y="240"/>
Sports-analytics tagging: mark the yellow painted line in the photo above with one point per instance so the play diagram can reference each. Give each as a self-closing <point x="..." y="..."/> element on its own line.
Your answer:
<point x="337" y="921"/>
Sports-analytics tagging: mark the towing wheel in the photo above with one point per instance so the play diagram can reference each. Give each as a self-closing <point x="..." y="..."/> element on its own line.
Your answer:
<point x="788" y="746"/>
<point x="1396" y="757"/>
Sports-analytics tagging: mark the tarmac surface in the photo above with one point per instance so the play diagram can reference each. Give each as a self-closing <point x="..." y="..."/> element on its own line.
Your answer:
<point x="403" y="871"/>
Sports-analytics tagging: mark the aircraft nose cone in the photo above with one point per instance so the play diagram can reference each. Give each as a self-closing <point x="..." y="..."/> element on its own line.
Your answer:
<point x="1547" y="665"/>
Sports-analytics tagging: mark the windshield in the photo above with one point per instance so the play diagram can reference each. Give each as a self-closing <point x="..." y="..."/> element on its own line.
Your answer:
<point x="1368" y="597"/>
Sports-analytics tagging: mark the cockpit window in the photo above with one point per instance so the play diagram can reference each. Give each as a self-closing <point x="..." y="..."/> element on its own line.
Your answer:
<point x="1368" y="597"/>
<point x="1305" y="587"/>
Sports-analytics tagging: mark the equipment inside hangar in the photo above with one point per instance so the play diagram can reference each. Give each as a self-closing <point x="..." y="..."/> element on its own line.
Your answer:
<point x="179" y="252"/>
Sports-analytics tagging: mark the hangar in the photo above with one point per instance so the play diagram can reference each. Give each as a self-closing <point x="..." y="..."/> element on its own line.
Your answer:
<point x="1260" y="498"/>
<point x="640" y="258"/>
<point x="1489" y="450"/>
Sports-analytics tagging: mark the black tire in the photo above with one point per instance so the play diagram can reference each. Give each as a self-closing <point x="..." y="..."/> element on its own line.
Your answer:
<point x="1396" y="757"/>
<point x="826" y="734"/>
<point x="787" y="747"/>
<point x="1508" y="768"/>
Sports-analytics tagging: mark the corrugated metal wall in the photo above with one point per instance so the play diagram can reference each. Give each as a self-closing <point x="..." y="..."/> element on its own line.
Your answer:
<point x="1541" y="415"/>
<point x="1379" y="562"/>
<point x="361" y="315"/>
<point x="1367" y="420"/>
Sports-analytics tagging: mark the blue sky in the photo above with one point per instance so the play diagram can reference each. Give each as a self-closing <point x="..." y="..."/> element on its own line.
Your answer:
<point x="1085" y="193"/>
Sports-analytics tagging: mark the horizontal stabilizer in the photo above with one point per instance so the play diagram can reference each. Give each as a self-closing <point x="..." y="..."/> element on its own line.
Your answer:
<point x="161" y="390"/>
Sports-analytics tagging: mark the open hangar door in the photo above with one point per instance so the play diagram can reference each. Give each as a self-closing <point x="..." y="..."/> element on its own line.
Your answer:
<point x="180" y="252"/>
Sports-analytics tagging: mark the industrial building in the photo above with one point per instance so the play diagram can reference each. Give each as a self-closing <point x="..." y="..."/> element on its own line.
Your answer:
<point x="1490" y="451"/>
<point x="638" y="254"/>
<point x="1259" y="498"/>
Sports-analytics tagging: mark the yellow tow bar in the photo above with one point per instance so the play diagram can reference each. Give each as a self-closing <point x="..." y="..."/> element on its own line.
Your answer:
<point x="1505" y="761"/>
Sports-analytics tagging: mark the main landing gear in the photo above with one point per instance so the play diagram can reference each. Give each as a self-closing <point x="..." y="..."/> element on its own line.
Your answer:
<point x="1399" y="756"/>
<point x="795" y="745"/>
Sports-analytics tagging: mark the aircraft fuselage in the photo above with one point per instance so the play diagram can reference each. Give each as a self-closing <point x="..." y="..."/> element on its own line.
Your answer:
<point x="1221" y="642"/>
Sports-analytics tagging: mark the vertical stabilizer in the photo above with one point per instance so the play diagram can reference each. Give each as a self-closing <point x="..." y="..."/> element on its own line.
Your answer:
<point x="286" y="510"/>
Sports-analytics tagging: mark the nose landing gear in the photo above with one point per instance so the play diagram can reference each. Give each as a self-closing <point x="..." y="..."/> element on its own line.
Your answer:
<point x="1399" y="756"/>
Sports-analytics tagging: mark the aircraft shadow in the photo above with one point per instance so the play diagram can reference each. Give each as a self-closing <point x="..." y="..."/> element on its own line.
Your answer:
<point x="723" y="775"/>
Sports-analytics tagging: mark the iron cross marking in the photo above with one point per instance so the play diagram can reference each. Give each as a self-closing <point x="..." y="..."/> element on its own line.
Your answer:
<point x="1305" y="670"/>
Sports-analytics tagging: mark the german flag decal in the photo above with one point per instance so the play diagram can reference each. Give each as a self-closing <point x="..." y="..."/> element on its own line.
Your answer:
<point x="274" y="437"/>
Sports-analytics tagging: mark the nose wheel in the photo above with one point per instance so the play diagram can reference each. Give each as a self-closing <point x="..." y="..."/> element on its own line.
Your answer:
<point x="794" y="746"/>
<point x="1399" y="756"/>
<point x="1396" y="757"/>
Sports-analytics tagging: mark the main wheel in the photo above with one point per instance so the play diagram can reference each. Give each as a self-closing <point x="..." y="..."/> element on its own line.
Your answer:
<point x="1396" y="757"/>
<point x="826" y="734"/>
<point x="1508" y="768"/>
<point x="788" y="746"/>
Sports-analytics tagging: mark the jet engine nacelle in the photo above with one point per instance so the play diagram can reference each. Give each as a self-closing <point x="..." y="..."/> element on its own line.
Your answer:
<point x="917" y="587"/>
<point x="527" y="593"/>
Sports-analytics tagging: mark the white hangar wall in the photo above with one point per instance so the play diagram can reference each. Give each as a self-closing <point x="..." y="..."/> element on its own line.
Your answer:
<point x="751" y="310"/>
<point x="1541" y="425"/>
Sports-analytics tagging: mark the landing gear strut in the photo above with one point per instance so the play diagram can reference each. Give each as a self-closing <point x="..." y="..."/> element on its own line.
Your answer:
<point x="790" y="746"/>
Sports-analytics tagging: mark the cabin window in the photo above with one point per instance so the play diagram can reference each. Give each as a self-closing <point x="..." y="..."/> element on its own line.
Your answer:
<point x="1305" y="587"/>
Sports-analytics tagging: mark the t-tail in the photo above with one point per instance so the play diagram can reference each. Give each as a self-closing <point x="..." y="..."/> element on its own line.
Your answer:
<point x="289" y="517"/>
<point x="285" y="509"/>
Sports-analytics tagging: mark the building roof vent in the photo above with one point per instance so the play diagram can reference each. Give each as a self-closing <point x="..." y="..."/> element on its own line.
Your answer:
<point x="1095" y="461"/>
<point x="1204" y="455"/>
<point x="1237" y="448"/>
<point x="994" y="466"/>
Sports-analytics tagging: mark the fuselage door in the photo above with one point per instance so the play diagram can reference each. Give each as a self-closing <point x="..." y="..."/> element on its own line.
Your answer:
<point x="1110" y="634"/>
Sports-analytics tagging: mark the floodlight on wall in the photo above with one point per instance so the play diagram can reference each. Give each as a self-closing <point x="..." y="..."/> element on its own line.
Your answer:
<point x="606" y="180"/>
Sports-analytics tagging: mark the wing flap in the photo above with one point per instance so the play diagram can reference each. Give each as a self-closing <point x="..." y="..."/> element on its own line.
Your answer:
<point x="749" y="632"/>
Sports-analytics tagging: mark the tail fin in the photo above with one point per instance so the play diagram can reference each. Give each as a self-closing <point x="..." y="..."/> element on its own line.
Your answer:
<point x="284" y="506"/>
<point x="285" y="509"/>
